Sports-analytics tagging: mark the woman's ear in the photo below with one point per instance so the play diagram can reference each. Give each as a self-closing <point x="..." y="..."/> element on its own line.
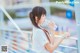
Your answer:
<point x="36" y="18"/>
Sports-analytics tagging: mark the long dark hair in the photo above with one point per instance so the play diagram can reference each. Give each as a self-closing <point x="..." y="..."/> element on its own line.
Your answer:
<point x="38" y="11"/>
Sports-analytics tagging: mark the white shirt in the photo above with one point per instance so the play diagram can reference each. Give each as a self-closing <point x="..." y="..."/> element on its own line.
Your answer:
<point x="39" y="40"/>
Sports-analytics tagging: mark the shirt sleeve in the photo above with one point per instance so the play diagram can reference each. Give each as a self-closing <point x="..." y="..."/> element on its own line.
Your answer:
<point x="41" y="37"/>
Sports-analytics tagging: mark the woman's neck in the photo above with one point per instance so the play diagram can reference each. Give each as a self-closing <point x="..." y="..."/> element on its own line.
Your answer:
<point x="39" y="24"/>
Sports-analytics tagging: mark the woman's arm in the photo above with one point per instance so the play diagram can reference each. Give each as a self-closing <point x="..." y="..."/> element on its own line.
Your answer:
<point x="51" y="47"/>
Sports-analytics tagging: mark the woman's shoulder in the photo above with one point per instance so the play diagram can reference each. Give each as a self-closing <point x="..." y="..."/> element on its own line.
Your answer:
<point x="36" y="29"/>
<point x="39" y="30"/>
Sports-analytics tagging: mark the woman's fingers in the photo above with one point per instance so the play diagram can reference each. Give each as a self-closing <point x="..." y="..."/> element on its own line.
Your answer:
<point x="51" y="24"/>
<point x="67" y="34"/>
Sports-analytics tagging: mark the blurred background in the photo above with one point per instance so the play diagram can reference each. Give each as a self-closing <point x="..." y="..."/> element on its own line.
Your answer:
<point x="65" y="15"/>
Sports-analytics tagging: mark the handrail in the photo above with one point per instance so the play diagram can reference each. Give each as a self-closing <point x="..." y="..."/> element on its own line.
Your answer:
<point x="68" y="47"/>
<point x="74" y="38"/>
<point x="10" y="18"/>
<point x="71" y="37"/>
<point x="12" y="30"/>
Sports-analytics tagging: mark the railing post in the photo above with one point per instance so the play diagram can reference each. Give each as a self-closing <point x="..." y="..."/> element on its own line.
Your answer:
<point x="77" y="16"/>
<point x="1" y="19"/>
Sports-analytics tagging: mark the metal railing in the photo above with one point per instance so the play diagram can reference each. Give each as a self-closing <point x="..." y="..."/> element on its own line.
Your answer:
<point x="15" y="38"/>
<point x="18" y="38"/>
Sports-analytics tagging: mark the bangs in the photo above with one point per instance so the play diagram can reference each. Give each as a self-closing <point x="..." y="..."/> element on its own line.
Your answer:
<point x="38" y="11"/>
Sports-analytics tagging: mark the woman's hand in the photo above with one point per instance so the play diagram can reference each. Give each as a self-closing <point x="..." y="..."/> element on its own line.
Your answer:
<point x="51" y="25"/>
<point x="66" y="35"/>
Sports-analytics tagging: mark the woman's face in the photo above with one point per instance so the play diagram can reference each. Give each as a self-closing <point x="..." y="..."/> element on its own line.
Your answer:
<point x="42" y="19"/>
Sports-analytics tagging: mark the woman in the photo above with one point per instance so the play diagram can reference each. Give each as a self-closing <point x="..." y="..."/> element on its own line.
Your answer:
<point x="43" y="42"/>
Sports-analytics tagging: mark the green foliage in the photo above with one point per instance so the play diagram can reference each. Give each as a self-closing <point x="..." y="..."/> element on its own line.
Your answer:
<point x="11" y="13"/>
<point x="53" y="10"/>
